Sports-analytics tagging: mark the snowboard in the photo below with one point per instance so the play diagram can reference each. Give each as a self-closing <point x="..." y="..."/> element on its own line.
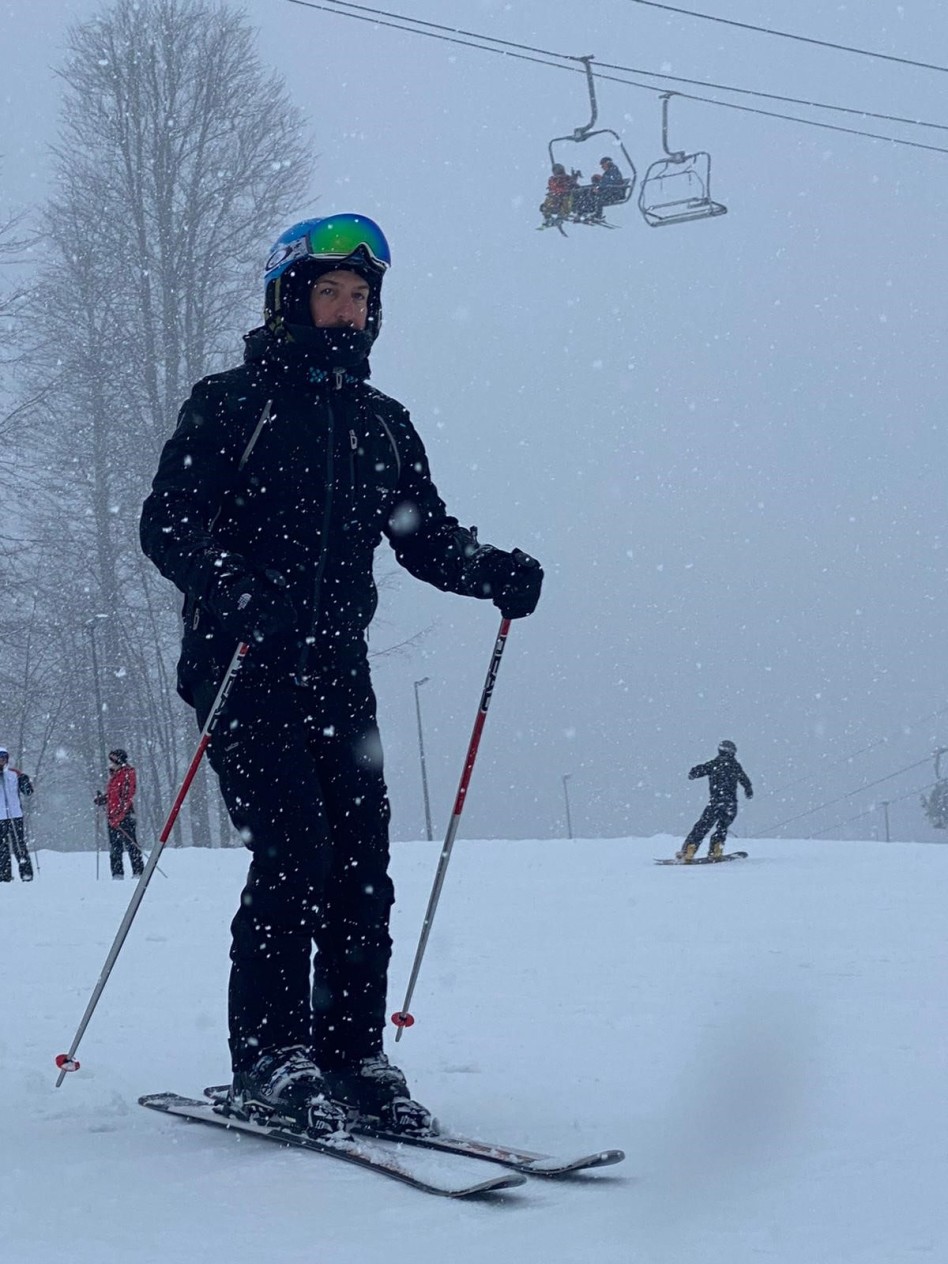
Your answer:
<point x="705" y="860"/>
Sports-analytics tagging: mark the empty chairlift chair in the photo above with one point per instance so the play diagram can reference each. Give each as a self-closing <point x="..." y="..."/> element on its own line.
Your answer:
<point x="677" y="188"/>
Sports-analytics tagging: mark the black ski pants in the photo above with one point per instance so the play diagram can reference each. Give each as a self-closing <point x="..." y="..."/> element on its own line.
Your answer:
<point x="13" y="839"/>
<point x="720" y="815"/>
<point x="124" y="835"/>
<point x="300" y="770"/>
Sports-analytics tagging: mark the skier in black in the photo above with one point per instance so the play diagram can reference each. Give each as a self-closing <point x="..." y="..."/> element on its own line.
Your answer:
<point x="723" y="773"/>
<point x="268" y="504"/>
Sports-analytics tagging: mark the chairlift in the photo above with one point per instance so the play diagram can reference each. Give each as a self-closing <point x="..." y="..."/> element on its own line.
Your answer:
<point x="677" y="188"/>
<point x="936" y="804"/>
<point x="583" y="204"/>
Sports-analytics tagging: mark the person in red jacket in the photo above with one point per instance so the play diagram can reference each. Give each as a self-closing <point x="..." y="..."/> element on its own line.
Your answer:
<point x="119" y="803"/>
<point x="559" y="190"/>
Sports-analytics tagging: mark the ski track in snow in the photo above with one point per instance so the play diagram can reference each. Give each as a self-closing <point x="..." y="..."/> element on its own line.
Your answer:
<point x="765" y="1040"/>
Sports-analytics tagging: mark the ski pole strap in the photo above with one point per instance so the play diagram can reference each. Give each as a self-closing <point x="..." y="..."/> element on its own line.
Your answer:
<point x="403" y="1018"/>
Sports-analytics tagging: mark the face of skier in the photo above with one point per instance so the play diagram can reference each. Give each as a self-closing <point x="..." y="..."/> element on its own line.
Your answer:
<point x="340" y="300"/>
<point x="3" y="760"/>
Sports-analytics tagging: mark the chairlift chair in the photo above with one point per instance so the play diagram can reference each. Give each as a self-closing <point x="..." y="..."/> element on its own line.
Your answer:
<point x="677" y="188"/>
<point x="618" y="193"/>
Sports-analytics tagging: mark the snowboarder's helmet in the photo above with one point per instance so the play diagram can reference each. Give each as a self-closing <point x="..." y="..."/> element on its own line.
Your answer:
<point x="727" y="748"/>
<point x="302" y="254"/>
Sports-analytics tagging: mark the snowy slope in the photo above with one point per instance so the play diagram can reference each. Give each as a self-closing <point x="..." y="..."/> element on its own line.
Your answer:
<point x="765" y="1039"/>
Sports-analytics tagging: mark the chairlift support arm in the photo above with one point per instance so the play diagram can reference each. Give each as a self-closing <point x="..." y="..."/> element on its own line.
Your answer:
<point x="581" y="132"/>
<point x="676" y="155"/>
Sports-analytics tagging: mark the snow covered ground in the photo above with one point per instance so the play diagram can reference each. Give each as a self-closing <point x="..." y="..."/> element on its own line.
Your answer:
<point x="765" y="1039"/>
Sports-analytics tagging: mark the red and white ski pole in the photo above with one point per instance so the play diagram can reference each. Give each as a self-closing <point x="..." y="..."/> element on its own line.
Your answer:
<point x="67" y="1061"/>
<point x="403" y="1018"/>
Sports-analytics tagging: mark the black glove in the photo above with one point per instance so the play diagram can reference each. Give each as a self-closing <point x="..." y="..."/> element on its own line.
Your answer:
<point x="249" y="606"/>
<point x="100" y="800"/>
<point x="511" y="580"/>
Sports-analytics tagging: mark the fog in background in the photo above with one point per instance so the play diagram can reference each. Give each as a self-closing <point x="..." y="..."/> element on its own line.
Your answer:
<point x="723" y="441"/>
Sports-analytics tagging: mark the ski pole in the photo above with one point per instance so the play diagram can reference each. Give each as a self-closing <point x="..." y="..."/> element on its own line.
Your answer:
<point x="67" y="1061"/>
<point x="403" y="1018"/>
<point x="125" y="834"/>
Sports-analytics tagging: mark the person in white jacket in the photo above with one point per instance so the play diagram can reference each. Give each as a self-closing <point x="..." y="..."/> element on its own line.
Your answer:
<point x="13" y="784"/>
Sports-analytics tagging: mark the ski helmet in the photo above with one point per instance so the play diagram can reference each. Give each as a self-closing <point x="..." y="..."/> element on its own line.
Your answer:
<point x="119" y="755"/>
<point x="307" y="250"/>
<point x="727" y="748"/>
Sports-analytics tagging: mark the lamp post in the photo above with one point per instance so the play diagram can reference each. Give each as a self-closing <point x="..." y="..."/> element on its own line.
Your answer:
<point x="90" y="626"/>
<point x="569" y="819"/>
<point x="421" y="752"/>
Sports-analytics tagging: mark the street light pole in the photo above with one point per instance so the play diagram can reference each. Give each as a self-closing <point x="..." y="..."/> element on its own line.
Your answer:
<point x="421" y="752"/>
<point x="569" y="819"/>
<point x="90" y="628"/>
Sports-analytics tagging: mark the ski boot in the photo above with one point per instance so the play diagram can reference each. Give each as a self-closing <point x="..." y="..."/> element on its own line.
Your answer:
<point x="377" y="1093"/>
<point x="285" y="1086"/>
<point x="687" y="853"/>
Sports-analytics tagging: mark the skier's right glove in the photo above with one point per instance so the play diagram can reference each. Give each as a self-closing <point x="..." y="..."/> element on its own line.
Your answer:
<point x="511" y="580"/>
<point x="249" y="606"/>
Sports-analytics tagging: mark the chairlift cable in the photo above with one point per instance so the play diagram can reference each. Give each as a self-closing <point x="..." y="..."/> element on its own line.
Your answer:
<point x="844" y="759"/>
<point x="776" y="96"/>
<point x="839" y="824"/>
<point x="803" y="39"/>
<point x="859" y="789"/>
<point x="369" y="14"/>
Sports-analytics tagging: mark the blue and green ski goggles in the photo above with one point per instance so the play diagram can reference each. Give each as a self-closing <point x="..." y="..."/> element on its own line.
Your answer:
<point x="334" y="237"/>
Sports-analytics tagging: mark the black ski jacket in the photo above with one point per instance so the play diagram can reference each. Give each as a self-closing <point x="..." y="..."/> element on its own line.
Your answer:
<point x="723" y="773"/>
<point x="299" y="470"/>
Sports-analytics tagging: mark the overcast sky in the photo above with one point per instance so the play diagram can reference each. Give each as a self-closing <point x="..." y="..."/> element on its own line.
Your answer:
<point x="723" y="440"/>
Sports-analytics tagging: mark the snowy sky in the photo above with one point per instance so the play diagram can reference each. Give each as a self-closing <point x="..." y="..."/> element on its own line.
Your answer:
<point x="722" y="440"/>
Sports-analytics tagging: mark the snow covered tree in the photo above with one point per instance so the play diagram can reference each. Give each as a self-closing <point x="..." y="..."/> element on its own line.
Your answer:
<point x="180" y="158"/>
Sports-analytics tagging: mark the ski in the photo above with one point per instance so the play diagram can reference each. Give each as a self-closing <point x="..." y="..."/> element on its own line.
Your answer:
<point x="705" y="860"/>
<point x="452" y="1180"/>
<point x="524" y="1161"/>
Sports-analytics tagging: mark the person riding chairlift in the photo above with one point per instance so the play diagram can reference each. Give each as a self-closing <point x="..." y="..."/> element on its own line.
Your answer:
<point x="559" y="190"/>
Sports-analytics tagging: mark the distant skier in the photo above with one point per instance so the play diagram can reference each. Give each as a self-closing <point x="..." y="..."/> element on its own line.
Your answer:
<point x="13" y="784"/>
<point x="723" y="773"/>
<point x="119" y="801"/>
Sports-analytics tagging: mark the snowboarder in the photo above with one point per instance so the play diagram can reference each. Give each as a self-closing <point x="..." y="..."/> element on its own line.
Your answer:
<point x="13" y="784"/>
<point x="268" y="504"/>
<point x="723" y="773"/>
<point x="119" y="802"/>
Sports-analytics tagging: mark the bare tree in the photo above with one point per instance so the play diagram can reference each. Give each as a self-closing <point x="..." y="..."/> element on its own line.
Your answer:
<point x="179" y="158"/>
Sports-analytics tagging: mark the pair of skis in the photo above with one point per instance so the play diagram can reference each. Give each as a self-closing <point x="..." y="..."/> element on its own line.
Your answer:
<point x="705" y="860"/>
<point x="440" y="1163"/>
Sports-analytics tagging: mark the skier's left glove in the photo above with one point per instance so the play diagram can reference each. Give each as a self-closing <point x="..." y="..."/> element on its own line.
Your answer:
<point x="511" y="580"/>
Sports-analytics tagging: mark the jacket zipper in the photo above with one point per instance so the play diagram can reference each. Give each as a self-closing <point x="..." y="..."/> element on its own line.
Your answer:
<point x="353" y="449"/>
<point x="303" y="662"/>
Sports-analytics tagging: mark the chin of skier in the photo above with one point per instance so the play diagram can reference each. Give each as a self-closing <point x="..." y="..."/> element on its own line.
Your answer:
<point x="282" y="477"/>
<point x="723" y="773"/>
